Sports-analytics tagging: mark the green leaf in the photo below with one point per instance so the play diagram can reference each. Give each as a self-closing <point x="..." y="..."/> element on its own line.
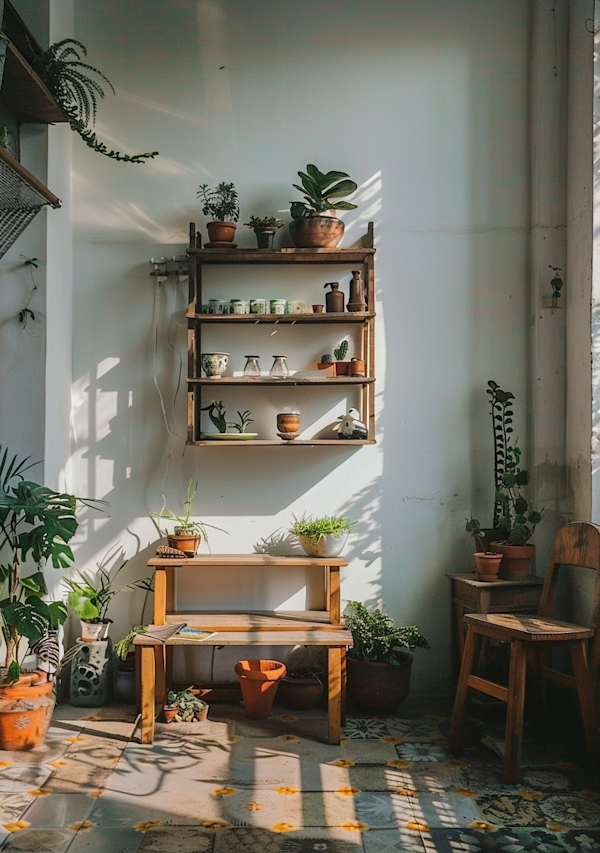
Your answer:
<point x="343" y="205"/>
<point x="14" y="671"/>
<point x="315" y="174"/>
<point x="29" y="620"/>
<point x="341" y="189"/>
<point x="298" y="210"/>
<point x="82" y="606"/>
<point x="330" y="177"/>
<point x="58" y="614"/>
<point x="35" y="584"/>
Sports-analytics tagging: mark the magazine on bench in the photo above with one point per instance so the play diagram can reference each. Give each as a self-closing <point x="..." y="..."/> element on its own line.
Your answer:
<point x="183" y="630"/>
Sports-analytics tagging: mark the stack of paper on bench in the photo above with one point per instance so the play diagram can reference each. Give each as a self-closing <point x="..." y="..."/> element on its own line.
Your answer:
<point x="183" y="630"/>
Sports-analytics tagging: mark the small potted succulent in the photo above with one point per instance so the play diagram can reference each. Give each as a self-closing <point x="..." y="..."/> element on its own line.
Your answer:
<point x="380" y="661"/>
<point x="222" y="205"/>
<point x="187" y="534"/>
<point x="314" y="224"/>
<point x="487" y="562"/>
<point x="265" y="228"/>
<point x="184" y="707"/>
<point x="322" y="537"/>
<point x="340" y="352"/>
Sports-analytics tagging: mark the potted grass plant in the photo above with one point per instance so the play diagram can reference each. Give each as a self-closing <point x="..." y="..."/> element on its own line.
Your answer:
<point x="322" y="537"/>
<point x="380" y="660"/>
<point x="314" y="224"/>
<point x="187" y="534"/>
<point x="222" y="205"/>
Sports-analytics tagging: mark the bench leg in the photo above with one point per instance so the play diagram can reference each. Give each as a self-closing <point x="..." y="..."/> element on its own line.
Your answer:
<point x="334" y="705"/>
<point x="459" y="714"/>
<point x="344" y="684"/>
<point x="148" y="664"/>
<point x="514" y="713"/>
<point x="160" y="669"/>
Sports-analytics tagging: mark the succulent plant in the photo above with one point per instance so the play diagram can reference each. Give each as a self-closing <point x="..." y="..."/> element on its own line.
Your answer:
<point x="189" y="707"/>
<point x="341" y="351"/>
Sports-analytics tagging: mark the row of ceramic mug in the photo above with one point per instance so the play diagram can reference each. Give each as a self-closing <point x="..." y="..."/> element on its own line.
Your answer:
<point x="255" y="306"/>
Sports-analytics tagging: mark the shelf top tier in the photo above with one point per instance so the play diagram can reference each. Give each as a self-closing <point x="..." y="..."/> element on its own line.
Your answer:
<point x="325" y="317"/>
<point x="288" y="380"/>
<point x="355" y="255"/>
<point x="246" y="560"/>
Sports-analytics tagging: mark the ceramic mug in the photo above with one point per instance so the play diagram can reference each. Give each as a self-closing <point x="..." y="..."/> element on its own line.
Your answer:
<point x="214" y="364"/>
<point x="259" y="306"/>
<point x="216" y="306"/>
<point x="238" y="306"/>
<point x="297" y="307"/>
<point x="278" y="306"/>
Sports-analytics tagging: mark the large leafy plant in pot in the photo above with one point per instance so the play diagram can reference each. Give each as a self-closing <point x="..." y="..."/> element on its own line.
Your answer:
<point x="37" y="524"/>
<point x="380" y="660"/>
<point x="314" y="224"/>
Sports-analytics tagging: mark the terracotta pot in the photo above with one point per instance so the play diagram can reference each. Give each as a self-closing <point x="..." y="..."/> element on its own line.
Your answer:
<point x="327" y="546"/>
<point x="378" y="688"/>
<point x="316" y="232"/>
<point x="356" y="367"/>
<point x="303" y="694"/>
<point x="259" y="680"/>
<point x="170" y="714"/>
<point x="185" y="542"/>
<point x="25" y="714"/>
<point x="340" y="368"/>
<point x="91" y="632"/>
<point x="516" y="560"/>
<point x="288" y="422"/>
<point x="221" y="232"/>
<point x="487" y="565"/>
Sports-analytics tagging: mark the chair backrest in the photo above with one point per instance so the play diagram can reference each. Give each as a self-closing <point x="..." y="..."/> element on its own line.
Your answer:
<point x="576" y="544"/>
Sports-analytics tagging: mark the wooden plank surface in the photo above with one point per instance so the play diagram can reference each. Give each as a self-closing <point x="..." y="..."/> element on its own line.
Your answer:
<point x="147" y="689"/>
<point x="314" y="442"/>
<point x="471" y="580"/>
<point x="333" y="637"/>
<point x="289" y="380"/>
<point x="281" y="256"/>
<point x="289" y="620"/>
<point x="247" y="560"/>
<point x="325" y="317"/>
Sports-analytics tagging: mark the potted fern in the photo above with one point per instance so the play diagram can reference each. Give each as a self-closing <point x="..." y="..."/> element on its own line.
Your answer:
<point x="187" y="534"/>
<point x="314" y="224"/>
<point x="322" y="537"/>
<point x="380" y="660"/>
<point x="222" y="205"/>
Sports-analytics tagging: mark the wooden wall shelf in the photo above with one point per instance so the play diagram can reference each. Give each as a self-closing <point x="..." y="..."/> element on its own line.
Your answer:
<point x="290" y="380"/>
<point x="357" y="255"/>
<point x="347" y="317"/>
<point x="24" y="93"/>
<point x="276" y="442"/>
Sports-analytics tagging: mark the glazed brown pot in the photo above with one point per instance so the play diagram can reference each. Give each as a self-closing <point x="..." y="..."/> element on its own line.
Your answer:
<point x="259" y="680"/>
<point x="25" y="713"/>
<point x="303" y="694"/>
<point x="516" y="560"/>
<point x="316" y="232"/>
<point x="487" y="565"/>
<point x="288" y="422"/>
<point x="378" y="688"/>
<point x="185" y="542"/>
<point x="221" y="232"/>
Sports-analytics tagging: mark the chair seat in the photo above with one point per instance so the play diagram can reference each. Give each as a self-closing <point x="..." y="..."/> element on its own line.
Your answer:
<point x="515" y="626"/>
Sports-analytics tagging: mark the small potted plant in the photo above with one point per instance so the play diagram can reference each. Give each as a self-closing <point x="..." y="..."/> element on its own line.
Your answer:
<point x="184" y="707"/>
<point x="340" y="352"/>
<point x="301" y="688"/>
<point x="223" y="206"/>
<point x="230" y="430"/>
<point x="314" y="224"/>
<point x="380" y="661"/>
<point x="518" y="517"/>
<point x="487" y="562"/>
<point x="322" y="537"/>
<point x="187" y="534"/>
<point x="90" y="597"/>
<point x="36" y="523"/>
<point x="265" y="228"/>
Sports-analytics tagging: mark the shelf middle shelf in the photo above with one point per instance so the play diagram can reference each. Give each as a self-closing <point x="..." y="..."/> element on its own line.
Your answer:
<point x="290" y="380"/>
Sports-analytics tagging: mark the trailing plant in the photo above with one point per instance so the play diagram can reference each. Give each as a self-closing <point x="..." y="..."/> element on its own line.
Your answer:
<point x="90" y="595"/>
<point x="218" y="415"/>
<point x="265" y="222"/>
<point x="121" y="647"/>
<point x="62" y="70"/>
<point x="516" y="513"/>
<point x="315" y="529"/>
<point x="189" y="707"/>
<point x="38" y="523"/>
<point x="377" y="638"/>
<point x="25" y="313"/>
<point x="319" y="189"/>
<point x="341" y="351"/>
<point x="221" y="203"/>
<point x="502" y="413"/>
<point x="182" y="523"/>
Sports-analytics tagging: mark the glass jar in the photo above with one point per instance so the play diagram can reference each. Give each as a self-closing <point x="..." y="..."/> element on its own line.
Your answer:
<point x="280" y="369"/>
<point x="252" y="367"/>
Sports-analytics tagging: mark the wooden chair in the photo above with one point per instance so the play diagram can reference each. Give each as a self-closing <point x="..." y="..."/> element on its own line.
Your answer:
<point x="532" y="637"/>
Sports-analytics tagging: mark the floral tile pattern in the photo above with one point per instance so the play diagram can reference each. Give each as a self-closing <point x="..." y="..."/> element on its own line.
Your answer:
<point x="427" y="753"/>
<point x="365" y="729"/>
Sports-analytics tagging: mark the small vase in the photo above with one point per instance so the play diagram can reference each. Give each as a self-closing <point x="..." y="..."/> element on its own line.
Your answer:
<point x="91" y="632"/>
<point x="259" y="680"/>
<point x="25" y="713"/>
<point x="170" y="714"/>
<point x="487" y="565"/>
<point x="280" y="369"/>
<point x="303" y="694"/>
<point x="214" y="364"/>
<point x="379" y="688"/>
<point x="252" y="368"/>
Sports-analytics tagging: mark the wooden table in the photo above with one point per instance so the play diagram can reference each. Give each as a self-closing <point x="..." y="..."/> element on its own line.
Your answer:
<point x="470" y="595"/>
<point x="245" y="628"/>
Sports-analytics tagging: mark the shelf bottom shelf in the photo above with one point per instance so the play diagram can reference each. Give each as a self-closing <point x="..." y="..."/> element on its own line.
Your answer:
<point x="270" y="442"/>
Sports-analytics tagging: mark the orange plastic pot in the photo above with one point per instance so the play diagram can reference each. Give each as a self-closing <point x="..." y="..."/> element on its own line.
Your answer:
<point x="259" y="680"/>
<point x="25" y="714"/>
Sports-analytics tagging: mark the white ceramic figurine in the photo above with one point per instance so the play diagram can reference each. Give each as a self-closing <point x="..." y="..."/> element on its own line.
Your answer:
<point x="350" y="427"/>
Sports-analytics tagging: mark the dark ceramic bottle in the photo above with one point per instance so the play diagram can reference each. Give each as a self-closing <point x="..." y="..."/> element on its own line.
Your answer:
<point x="356" y="301"/>
<point x="334" y="300"/>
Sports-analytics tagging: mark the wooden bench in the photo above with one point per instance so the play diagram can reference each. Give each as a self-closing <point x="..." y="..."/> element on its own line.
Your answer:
<point x="256" y="628"/>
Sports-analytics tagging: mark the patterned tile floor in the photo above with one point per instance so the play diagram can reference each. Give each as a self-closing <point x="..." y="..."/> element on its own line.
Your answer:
<point x="231" y="785"/>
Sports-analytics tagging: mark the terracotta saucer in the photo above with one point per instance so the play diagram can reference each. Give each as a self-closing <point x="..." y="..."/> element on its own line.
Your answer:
<point x="288" y="436"/>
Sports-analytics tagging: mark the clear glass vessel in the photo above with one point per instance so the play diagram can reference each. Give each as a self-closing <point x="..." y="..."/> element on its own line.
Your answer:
<point x="252" y="367"/>
<point x="280" y="369"/>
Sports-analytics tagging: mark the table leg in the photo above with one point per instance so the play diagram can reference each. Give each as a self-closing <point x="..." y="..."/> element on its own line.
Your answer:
<point x="160" y="596"/>
<point x="334" y="705"/>
<point x="334" y="595"/>
<point x="160" y="658"/>
<point x="138" y="678"/>
<point x="147" y="690"/>
<point x="344" y="676"/>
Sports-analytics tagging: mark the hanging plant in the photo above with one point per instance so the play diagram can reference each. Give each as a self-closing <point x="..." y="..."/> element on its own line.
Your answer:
<point x="62" y="70"/>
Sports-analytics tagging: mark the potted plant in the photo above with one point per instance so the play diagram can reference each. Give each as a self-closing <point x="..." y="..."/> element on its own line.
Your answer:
<point x="265" y="228"/>
<point x="301" y="688"/>
<point x="223" y="206"/>
<point x="124" y="671"/>
<point x="90" y="597"/>
<point x="38" y="523"/>
<point x="218" y="415"/>
<point x="187" y="534"/>
<point x="487" y="562"/>
<point x="314" y="224"/>
<point x="340" y="353"/>
<point x="184" y="707"/>
<point x="518" y="517"/>
<point x="322" y="537"/>
<point x="380" y="661"/>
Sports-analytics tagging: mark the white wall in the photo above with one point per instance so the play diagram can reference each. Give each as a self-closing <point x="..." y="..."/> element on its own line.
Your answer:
<point x="425" y="105"/>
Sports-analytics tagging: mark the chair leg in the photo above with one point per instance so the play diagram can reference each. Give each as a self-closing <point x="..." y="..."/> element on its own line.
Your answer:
<point x="585" y="693"/>
<point x="514" y="713"/>
<point x="457" y="724"/>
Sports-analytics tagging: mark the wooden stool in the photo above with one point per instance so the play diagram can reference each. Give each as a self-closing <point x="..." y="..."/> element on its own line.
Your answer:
<point x="576" y="544"/>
